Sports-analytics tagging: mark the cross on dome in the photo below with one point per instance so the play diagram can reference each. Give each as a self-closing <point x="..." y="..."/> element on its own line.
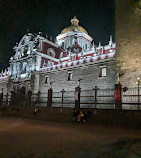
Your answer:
<point x="74" y="21"/>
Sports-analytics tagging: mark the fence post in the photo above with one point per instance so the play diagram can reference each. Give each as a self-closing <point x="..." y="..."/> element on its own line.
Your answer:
<point x="38" y="101"/>
<point x="7" y="99"/>
<point x="117" y="96"/>
<point x="77" y="97"/>
<point x="1" y="98"/>
<point x="95" y="94"/>
<point x="13" y="99"/>
<point x="28" y="98"/>
<point x="138" y="81"/>
<point x="49" y="102"/>
<point x="62" y="96"/>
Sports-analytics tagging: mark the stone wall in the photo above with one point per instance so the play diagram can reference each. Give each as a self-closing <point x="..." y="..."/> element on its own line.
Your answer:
<point x="128" y="41"/>
<point x="89" y="75"/>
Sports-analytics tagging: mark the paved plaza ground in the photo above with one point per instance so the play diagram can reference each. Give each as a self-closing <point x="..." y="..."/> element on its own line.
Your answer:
<point x="24" y="138"/>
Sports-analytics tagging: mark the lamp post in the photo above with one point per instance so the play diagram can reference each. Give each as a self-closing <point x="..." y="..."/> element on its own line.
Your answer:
<point x="62" y="96"/>
<point x="77" y="95"/>
<point x="51" y="84"/>
<point x="95" y="96"/>
<point x="79" y="82"/>
<point x="138" y="84"/>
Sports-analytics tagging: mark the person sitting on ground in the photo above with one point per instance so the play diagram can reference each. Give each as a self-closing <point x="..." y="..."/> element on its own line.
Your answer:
<point x="80" y="116"/>
<point x="87" y="114"/>
<point x="83" y="116"/>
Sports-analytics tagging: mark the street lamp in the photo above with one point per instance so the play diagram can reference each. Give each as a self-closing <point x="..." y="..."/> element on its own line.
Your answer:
<point x="79" y="82"/>
<point x="138" y="84"/>
<point x="51" y="85"/>
<point x="62" y="96"/>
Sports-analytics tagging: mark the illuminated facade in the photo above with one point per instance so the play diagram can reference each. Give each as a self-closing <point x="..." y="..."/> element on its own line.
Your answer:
<point x="39" y="63"/>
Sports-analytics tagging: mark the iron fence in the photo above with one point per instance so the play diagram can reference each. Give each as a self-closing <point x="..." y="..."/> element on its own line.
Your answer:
<point x="105" y="99"/>
<point x="87" y="99"/>
<point x="68" y="100"/>
<point x="93" y="98"/>
<point x="131" y="99"/>
<point x="56" y="99"/>
<point x="98" y="98"/>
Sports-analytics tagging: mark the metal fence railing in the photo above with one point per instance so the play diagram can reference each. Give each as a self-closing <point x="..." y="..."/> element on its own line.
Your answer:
<point x="93" y="98"/>
<point x="56" y="99"/>
<point x="131" y="99"/>
<point x="105" y="99"/>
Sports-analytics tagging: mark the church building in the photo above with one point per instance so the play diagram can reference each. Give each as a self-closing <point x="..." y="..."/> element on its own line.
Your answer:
<point x="39" y="63"/>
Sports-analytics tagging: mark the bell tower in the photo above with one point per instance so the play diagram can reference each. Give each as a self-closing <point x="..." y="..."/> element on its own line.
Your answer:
<point x="128" y="40"/>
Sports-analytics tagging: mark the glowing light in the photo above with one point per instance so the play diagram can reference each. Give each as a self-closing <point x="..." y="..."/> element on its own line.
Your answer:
<point x="138" y="78"/>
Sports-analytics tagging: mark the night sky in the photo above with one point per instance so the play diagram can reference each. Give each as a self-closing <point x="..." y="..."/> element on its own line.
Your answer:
<point x="50" y="17"/>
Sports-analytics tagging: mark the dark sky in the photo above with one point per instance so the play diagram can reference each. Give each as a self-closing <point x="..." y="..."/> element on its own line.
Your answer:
<point x="51" y="16"/>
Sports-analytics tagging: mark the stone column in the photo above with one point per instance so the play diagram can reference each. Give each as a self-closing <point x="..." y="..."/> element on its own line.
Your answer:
<point x="38" y="62"/>
<point x="35" y="81"/>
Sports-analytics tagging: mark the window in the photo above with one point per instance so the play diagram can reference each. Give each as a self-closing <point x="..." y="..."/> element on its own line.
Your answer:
<point x="103" y="71"/>
<point x="51" y="52"/>
<point x="86" y="46"/>
<point x="46" y="79"/>
<point x="70" y="76"/>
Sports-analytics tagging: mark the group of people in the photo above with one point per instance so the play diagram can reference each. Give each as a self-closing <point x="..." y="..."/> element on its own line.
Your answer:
<point x="81" y="115"/>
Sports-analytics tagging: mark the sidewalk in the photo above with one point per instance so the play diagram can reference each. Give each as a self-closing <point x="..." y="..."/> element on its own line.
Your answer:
<point x="34" y="138"/>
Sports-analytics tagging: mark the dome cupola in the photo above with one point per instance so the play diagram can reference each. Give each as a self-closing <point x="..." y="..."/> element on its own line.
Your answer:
<point x="74" y="35"/>
<point x="74" y="27"/>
